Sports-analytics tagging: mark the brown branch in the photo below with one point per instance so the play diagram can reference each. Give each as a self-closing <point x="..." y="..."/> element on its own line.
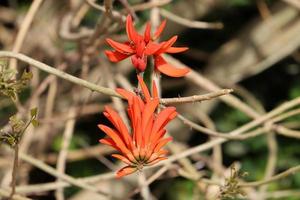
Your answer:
<point x="14" y="172"/>
<point x="24" y="29"/>
<point x="46" y="168"/>
<point x="86" y="84"/>
<point x="277" y="177"/>
<point x="195" y="98"/>
<point x="5" y="193"/>
<point x="59" y="73"/>
<point x="150" y="4"/>
<point x="189" y="23"/>
<point x="294" y="3"/>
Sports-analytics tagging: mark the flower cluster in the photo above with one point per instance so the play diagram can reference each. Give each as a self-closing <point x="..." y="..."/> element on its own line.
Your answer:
<point x="139" y="47"/>
<point x="144" y="145"/>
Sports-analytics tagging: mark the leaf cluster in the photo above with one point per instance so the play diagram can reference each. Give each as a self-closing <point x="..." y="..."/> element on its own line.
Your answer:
<point x="232" y="189"/>
<point x="17" y="128"/>
<point x="9" y="85"/>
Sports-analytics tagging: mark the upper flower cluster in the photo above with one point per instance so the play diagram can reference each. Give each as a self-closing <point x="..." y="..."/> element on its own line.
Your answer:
<point x="143" y="146"/>
<point x="139" y="47"/>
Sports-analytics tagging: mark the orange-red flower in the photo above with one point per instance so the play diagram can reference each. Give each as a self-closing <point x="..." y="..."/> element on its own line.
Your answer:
<point x="143" y="145"/>
<point x="139" y="47"/>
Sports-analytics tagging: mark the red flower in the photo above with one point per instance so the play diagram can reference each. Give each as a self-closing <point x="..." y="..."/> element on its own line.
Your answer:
<point x="143" y="146"/>
<point x="140" y="47"/>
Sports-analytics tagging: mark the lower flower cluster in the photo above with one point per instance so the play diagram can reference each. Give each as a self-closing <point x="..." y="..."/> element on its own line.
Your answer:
<point x="143" y="144"/>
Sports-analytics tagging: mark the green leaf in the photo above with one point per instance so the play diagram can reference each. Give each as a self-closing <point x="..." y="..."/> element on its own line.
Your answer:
<point x="34" y="122"/>
<point x="33" y="112"/>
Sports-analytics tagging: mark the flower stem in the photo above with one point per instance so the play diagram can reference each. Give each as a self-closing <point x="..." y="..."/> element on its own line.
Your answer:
<point x="148" y="74"/>
<point x="14" y="172"/>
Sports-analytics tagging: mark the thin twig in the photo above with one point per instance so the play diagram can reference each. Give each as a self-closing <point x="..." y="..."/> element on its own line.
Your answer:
<point x="196" y="98"/>
<point x="295" y="3"/>
<point x="189" y="23"/>
<point x="14" y="172"/>
<point x="115" y="14"/>
<point x="59" y="73"/>
<point x="62" y="176"/>
<point x="44" y="187"/>
<point x="282" y="175"/>
<point x="145" y="192"/>
<point x="61" y="161"/>
<point x="24" y="29"/>
<point x="78" y="81"/>
<point x="5" y="193"/>
<point x="238" y="131"/>
<point x="150" y="4"/>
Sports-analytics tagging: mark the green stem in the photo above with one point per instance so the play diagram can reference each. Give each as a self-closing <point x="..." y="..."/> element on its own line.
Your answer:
<point x="148" y="74"/>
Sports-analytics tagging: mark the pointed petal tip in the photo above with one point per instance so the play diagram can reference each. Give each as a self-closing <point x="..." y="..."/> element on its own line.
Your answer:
<point x="125" y="171"/>
<point x="115" y="56"/>
<point x="162" y="66"/>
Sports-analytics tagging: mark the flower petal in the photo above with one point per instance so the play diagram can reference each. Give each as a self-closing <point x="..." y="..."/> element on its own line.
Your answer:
<point x="131" y="32"/>
<point x="150" y="107"/>
<point x="144" y="89"/>
<point x="120" y="47"/>
<point x="159" y="29"/>
<point x="157" y="136"/>
<point x="152" y="48"/>
<point x="162" y="143"/>
<point x="115" y="56"/>
<point x="139" y="63"/>
<point x="156" y="160"/>
<point x="115" y="137"/>
<point x="124" y="93"/>
<point x="122" y="158"/>
<point x="117" y="121"/>
<point x="154" y="90"/>
<point x="176" y="49"/>
<point x="110" y="142"/>
<point x="165" y="68"/>
<point x="147" y="33"/>
<point x="166" y="45"/>
<point x="172" y="71"/>
<point x="163" y="118"/>
<point x="126" y="171"/>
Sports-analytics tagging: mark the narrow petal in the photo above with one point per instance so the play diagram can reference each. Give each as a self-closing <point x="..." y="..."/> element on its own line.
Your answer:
<point x="159" y="30"/>
<point x="162" y="143"/>
<point x="120" y="47"/>
<point x="147" y="33"/>
<point x="110" y="142"/>
<point x="115" y="137"/>
<point x="157" y="160"/>
<point x="172" y="71"/>
<point x="152" y="48"/>
<point x="148" y="131"/>
<point x="163" y="118"/>
<point x="162" y="152"/>
<point x="117" y="121"/>
<point x="126" y="171"/>
<point x="144" y="89"/>
<point x="131" y="32"/>
<point x="166" y="45"/>
<point x="154" y="91"/>
<point x="150" y="107"/>
<point x="122" y="158"/>
<point x="124" y="93"/>
<point x="137" y="121"/>
<point x="157" y="136"/>
<point x="165" y="68"/>
<point x="115" y="56"/>
<point x="176" y="49"/>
